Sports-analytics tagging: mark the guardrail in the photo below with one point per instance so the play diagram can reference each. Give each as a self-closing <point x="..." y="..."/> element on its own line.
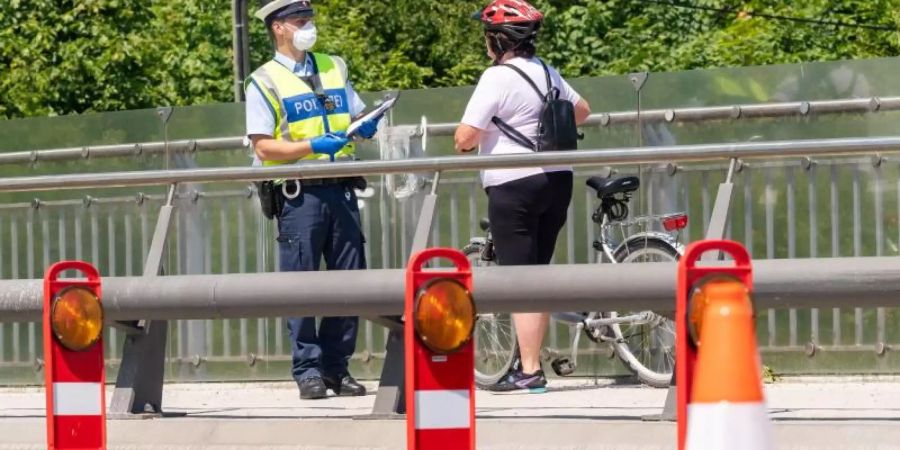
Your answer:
<point x="790" y="284"/>
<point x="615" y="156"/>
<point x="780" y="284"/>
<point x="114" y="233"/>
<point x="735" y="112"/>
<point x="674" y="115"/>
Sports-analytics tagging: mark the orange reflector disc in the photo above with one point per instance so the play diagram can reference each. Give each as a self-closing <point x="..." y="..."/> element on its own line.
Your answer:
<point x="444" y="315"/>
<point x="77" y="318"/>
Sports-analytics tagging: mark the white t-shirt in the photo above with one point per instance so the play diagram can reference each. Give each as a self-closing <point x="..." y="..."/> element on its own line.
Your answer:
<point x="504" y="93"/>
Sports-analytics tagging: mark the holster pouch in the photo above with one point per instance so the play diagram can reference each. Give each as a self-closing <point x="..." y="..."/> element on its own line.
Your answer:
<point x="270" y="199"/>
<point x="358" y="183"/>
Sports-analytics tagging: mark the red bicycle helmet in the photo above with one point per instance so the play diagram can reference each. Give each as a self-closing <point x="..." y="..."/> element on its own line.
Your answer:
<point x="514" y="18"/>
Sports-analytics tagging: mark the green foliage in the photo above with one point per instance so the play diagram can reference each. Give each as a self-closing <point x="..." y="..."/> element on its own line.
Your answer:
<point x="61" y="57"/>
<point x="769" y="376"/>
<point x="68" y="56"/>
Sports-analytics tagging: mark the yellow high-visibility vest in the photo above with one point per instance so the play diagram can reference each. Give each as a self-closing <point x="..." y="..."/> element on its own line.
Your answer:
<point x="299" y="113"/>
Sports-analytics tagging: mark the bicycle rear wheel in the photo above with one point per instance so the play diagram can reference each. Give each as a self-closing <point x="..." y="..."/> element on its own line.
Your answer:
<point x="496" y="347"/>
<point x="647" y="349"/>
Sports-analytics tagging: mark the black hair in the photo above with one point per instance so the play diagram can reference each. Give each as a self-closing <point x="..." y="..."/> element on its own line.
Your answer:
<point x="501" y="44"/>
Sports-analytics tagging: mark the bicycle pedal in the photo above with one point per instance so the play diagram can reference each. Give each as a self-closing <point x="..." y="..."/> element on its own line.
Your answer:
<point x="563" y="367"/>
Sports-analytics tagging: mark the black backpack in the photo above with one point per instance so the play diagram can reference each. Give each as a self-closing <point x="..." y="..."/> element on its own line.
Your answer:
<point x="556" y="130"/>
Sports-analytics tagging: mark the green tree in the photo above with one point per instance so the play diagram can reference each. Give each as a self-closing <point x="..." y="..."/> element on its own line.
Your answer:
<point x="68" y="56"/>
<point x="61" y="57"/>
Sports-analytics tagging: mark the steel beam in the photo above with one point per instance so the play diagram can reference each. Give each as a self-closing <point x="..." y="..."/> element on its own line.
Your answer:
<point x="310" y="170"/>
<point x="721" y="211"/>
<point x="389" y="399"/>
<point x="139" y="384"/>
<point x="784" y="283"/>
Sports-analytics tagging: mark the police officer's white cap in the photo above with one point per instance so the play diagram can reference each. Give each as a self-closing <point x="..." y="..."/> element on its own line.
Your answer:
<point x="285" y="8"/>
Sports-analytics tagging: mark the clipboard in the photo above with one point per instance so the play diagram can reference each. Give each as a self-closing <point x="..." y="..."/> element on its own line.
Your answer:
<point x="388" y="103"/>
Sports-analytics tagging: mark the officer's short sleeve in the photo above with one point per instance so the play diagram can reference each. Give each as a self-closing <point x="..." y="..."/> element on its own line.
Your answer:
<point x="260" y="116"/>
<point x="357" y="105"/>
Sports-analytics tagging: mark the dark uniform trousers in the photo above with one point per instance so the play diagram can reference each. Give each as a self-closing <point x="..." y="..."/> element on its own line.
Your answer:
<point x="323" y="221"/>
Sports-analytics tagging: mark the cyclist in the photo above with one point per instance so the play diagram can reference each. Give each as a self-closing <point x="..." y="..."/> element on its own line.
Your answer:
<point x="526" y="207"/>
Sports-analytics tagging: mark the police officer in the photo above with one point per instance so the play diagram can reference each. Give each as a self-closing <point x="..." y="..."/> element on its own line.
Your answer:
<point x="299" y="106"/>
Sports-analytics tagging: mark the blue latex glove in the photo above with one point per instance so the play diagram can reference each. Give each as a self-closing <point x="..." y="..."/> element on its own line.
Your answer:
<point x="368" y="128"/>
<point x="329" y="144"/>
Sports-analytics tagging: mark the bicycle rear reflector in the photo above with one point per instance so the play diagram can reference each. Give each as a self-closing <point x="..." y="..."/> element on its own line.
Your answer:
<point x="676" y="222"/>
<point x="76" y="318"/>
<point x="719" y="287"/>
<point x="444" y="315"/>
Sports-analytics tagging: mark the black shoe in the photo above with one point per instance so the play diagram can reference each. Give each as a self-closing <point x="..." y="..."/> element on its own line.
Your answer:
<point x="346" y="387"/>
<point x="312" y="388"/>
<point x="516" y="380"/>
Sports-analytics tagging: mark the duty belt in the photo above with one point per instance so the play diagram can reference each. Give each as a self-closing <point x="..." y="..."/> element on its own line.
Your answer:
<point x="292" y="189"/>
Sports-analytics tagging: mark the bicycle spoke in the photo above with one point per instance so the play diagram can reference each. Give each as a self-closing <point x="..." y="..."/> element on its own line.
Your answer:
<point x="494" y="343"/>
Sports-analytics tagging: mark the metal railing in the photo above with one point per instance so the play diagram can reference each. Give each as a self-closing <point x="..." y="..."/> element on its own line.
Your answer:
<point x="778" y="284"/>
<point x="735" y="112"/>
<point x="622" y="156"/>
<point x="848" y="216"/>
<point x="610" y="119"/>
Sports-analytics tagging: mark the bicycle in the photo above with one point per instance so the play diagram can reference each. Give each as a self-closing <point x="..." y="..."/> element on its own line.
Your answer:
<point x="643" y="340"/>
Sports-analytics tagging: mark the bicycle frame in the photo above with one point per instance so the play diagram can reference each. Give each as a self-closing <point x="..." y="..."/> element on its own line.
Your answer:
<point x="609" y="247"/>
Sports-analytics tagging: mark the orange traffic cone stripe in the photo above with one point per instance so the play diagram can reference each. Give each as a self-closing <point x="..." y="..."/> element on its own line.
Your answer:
<point x="727" y="409"/>
<point x="728" y="367"/>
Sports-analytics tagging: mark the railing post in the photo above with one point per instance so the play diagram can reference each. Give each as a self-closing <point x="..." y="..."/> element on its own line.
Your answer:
<point x="139" y="384"/>
<point x="389" y="399"/>
<point x="716" y="231"/>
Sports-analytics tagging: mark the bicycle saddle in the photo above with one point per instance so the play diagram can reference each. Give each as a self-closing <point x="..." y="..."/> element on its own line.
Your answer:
<point x="606" y="187"/>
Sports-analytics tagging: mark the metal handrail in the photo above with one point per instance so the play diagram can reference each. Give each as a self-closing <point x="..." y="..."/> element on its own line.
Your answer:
<point x="312" y="170"/>
<point x="679" y="115"/>
<point x="121" y="150"/>
<point x="781" y="283"/>
<point x="734" y="112"/>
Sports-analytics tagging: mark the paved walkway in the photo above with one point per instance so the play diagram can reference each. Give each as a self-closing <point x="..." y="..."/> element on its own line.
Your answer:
<point x="574" y="414"/>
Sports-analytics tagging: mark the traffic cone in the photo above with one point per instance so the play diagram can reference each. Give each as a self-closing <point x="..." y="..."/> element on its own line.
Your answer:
<point x="727" y="410"/>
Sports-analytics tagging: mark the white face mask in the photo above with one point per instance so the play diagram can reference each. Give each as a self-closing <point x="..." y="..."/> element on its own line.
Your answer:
<point x="305" y="37"/>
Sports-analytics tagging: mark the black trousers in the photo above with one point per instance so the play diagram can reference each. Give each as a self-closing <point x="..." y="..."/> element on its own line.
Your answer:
<point x="526" y="216"/>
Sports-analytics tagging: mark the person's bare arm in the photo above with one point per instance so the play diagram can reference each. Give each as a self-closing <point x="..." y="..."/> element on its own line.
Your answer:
<point x="467" y="138"/>
<point x="582" y="111"/>
<point x="270" y="149"/>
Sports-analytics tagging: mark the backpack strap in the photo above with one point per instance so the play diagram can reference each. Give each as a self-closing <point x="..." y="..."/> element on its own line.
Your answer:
<point x="550" y="87"/>
<point x="508" y="130"/>
<point x="513" y="134"/>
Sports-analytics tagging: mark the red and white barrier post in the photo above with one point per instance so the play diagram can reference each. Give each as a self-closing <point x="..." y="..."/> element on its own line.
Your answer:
<point x="73" y="353"/>
<point x="440" y="384"/>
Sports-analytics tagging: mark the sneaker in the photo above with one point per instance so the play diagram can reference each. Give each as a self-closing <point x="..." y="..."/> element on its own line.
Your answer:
<point x="517" y="380"/>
